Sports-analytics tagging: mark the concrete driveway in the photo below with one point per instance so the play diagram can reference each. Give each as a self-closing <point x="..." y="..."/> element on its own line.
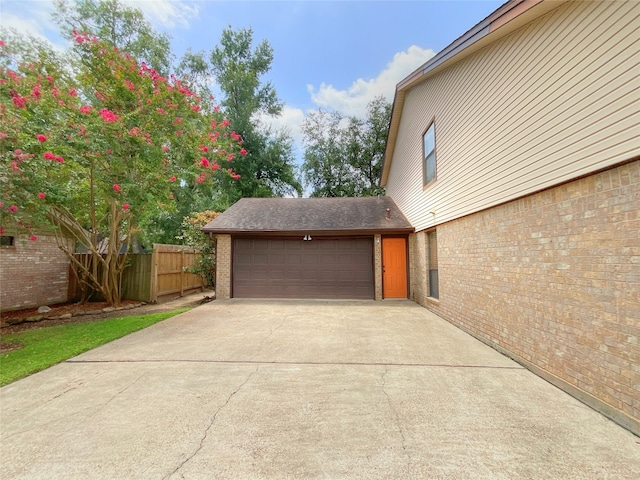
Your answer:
<point x="303" y="389"/>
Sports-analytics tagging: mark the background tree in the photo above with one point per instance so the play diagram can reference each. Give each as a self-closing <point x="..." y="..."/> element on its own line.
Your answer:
<point x="119" y="25"/>
<point x="95" y="148"/>
<point x="268" y="169"/>
<point x="193" y="236"/>
<point x="343" y="156"/>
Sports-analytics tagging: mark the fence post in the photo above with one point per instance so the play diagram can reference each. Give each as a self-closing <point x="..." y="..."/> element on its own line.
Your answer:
<point x="182" y="272"/>
<point x="154" y="275"/>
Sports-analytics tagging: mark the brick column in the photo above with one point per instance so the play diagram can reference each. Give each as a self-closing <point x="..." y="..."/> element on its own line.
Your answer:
<point x="377" y="255"/>
<point x="223" y="267"/>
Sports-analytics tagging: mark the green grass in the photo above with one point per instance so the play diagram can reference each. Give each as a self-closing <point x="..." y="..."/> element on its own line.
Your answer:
<point x="44" y="347"/>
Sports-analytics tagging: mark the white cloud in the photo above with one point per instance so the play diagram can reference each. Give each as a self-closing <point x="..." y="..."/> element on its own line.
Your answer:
<point x="290" y="120"/>
<point x="353" y="100"/>
<point x="32" y="18"/>
<point x="166" y="13"/>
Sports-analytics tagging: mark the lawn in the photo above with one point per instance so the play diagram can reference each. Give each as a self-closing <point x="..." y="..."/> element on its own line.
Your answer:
<point x="41" y="348"/>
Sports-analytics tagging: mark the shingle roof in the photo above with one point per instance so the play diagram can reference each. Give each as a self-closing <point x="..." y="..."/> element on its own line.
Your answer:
<point x="362" y="215"/>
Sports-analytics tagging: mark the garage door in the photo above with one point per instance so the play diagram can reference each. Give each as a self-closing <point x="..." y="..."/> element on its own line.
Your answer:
<point x="293" y="268"/>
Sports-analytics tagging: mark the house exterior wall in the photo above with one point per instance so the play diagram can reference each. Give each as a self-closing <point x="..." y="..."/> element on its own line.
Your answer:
<point x="33" y="273"/>
<point x="553" y="280"/>
<point x="223" y="267"/>
<point x="547" y="103"/>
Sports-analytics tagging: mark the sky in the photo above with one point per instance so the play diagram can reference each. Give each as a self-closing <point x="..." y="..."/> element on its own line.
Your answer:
<point x="329" y="54"/>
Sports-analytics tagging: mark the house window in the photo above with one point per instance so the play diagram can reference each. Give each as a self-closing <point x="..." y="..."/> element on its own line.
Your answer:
<point x="429" y="147"/>
<point x="6" y="241"/>
<point x="432" y="254"/>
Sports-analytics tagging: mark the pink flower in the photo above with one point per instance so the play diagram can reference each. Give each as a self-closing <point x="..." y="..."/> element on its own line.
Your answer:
<point x="160" y="111"/>
<point x="172" y="178"/>
<point x="36" y="91"/>
<point x="235" y="136"/>
<point x="129" y="85"/>
<point x="1" y="43"/>
<point x="59" y="159"/>
<point x="20" y="102"/>
<point x="243" y="152"/>
<point x="171" y="195"/>
<point x="13" y="208"/>
<point x="215" y="167"/>
<point x="33" y="238"/>
<point x="116" y="187"/>
<point x="235" y="176"/>
<point x="42" y="195"/>
<point x="50" y="79"/>
<point x="125" y="206"/>
<point x="204" y="148"/>
<point x="49" y="156"/>
<point x="230" y="157"/>
<point x="73" y="92"/>
<point x="165" y="148"/>
<point x="41" y="138"/>
<point x="108" y="116"/>
<point x="86" y="109"/>
<point x="225" y="123"/>
<point x="204" y="162"/>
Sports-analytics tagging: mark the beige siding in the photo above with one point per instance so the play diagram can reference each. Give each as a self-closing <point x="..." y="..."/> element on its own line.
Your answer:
<point x="552" y="101"/>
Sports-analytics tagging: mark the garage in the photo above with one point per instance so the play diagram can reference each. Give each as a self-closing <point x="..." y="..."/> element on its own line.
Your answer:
<point x="297" y="268"/>
<point x="315" y="248"/>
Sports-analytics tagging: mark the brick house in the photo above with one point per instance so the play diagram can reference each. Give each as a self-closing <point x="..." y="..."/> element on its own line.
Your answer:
<point x="32" y="273"/>
<point x="515" y="153"/>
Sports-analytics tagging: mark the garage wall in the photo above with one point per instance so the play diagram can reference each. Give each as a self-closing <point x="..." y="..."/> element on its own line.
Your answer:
<point x="223" y="267"/>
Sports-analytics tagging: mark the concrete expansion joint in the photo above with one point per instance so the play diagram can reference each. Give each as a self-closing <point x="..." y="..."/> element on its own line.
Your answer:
<point x="211" y="423"/>
<point x="395" y="414"/>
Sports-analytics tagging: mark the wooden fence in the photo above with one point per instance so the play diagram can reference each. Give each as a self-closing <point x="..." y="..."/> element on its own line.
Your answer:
<point x="152" y="277"/>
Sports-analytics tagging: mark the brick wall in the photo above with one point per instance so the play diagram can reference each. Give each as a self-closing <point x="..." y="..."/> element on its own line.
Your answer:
<point x="223" y="267"/>
<point x="33" y="273"/>
<point x="552" y="279"/>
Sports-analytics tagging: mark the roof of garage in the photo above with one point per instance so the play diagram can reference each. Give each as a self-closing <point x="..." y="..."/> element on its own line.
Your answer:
<point x="339" y="216"/>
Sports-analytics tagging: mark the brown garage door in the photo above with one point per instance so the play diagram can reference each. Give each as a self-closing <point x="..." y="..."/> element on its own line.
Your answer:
<point x="293" y="268"/>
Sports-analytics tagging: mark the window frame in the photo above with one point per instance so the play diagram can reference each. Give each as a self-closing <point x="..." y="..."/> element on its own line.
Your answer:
<point x="425" y="181"/>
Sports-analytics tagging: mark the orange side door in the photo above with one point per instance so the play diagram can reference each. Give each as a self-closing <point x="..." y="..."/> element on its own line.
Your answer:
<point x="394" y="267"/>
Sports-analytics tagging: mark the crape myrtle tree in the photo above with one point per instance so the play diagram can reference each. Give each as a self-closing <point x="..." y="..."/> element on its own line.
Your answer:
<point x="343" y="155"/>
<point x="93" y="146"/>
<point x="118" y="24"/>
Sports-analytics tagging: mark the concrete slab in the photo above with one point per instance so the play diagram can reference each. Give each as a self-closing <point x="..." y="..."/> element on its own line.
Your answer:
<point x="263" y="389"/>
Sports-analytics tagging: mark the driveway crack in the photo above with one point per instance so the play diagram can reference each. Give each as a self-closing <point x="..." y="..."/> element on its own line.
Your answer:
<point x="75" y="414"/>
<point x="267" y="337"/>
<point x="396" y="415"/>
<point x="211" y="423"/>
